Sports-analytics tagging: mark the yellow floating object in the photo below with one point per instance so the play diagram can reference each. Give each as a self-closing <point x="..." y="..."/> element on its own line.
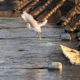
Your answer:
<point x="72" y="54"/>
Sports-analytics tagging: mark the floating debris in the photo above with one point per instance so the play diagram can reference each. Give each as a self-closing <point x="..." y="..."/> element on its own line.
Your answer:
<point x="66" y="36"/>
<point x="56" y="66"/>
<point x="72" y="54"/>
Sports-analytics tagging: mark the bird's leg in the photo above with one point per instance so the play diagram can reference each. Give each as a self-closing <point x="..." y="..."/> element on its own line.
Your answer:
<point x="39" y="35"/>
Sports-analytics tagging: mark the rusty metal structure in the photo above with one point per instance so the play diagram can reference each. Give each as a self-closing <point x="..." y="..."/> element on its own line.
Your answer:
<point x="72" y="20"/>
<point x="37" y="6"/>
<point x="74" y="25"/>
<point x="72" y="14"/>
<point x="42" y="10"/>
<point x="49" y="6"/>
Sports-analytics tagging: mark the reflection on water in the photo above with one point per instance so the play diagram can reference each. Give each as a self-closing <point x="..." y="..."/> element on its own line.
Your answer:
<point x="69" y="73"/>
<point x="38" y="75"/>
<point x="24" y="74"/>
<point x="55" y="75"/>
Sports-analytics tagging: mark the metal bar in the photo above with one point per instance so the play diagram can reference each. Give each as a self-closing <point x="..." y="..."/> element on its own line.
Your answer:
<point x="71" y="14"/>
<point x="28" y="3"/>
<point x="75" y="24"/>
<point x="52" y="4"/>
<point x="42" y="8"/>
<point x="33" y="4"/>
<point x="54" y="9"/>
<point x="37" y="5"/>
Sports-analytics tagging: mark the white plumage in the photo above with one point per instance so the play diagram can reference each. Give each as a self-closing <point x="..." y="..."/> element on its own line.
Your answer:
<point x="31" y="23"/>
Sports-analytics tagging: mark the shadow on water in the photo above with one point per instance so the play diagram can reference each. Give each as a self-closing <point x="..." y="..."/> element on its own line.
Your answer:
<point x="6" y="5"/>
<point x="69" y="72"/>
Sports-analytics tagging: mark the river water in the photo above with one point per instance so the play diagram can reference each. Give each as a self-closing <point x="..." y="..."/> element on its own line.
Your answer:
<point x="20" y="49"/>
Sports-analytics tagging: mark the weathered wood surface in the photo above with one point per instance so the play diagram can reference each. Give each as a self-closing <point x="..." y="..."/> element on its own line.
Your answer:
<point x="20" y="49"/>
